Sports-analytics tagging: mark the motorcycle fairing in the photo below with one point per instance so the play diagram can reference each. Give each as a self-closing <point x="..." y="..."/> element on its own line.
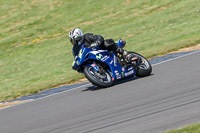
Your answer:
<point x="116" y="70"/>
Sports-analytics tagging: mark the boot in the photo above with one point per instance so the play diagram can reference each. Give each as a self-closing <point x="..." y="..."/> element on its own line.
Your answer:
<point x="128" y="57"/>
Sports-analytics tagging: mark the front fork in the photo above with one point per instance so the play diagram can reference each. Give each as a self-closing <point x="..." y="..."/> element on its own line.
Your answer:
<point x="95" y="66"/>
<point x="100" y="70"/>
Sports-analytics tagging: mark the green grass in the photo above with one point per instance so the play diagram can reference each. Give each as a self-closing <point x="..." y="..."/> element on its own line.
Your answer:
<point x="195" y="128"/>
<point x="35" y="53"/>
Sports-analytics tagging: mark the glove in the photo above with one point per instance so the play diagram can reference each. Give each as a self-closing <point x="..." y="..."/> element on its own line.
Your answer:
<point x="94" y="44"/>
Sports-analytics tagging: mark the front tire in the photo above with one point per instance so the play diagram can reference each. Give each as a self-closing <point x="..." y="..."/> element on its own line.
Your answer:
<point x="101" y="80"/>
<point x="144" y="67"/>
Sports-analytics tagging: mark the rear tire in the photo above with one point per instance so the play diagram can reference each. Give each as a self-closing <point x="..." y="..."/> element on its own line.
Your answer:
<point x="144" y="67"/>
<point x="92" y="76"/>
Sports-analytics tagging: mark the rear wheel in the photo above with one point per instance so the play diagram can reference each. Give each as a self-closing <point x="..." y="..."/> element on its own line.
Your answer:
<point x="144" y="67"/>
<point x="97" y="78"/>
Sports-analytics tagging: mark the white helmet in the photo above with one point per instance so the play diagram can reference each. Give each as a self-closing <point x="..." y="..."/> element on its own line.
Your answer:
<point x="75" y="36"/>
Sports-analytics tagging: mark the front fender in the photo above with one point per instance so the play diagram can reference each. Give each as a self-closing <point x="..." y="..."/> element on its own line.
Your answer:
<point x="93" y="65"/>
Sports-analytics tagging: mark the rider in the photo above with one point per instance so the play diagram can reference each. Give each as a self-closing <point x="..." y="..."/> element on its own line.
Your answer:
<point x="77" y="38"/>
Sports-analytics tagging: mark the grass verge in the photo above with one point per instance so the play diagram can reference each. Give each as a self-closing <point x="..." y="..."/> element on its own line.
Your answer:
<point x="195" y="128"/>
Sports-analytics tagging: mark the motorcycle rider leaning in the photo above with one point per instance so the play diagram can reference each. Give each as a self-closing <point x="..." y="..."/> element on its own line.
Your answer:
<point x="77" y="38"/>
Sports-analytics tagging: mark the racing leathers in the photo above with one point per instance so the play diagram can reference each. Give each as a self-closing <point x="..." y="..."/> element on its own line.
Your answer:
<point x="92" y="41"/>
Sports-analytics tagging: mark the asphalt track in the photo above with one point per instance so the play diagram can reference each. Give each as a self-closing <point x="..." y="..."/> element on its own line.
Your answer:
<point x="169" y="98"/>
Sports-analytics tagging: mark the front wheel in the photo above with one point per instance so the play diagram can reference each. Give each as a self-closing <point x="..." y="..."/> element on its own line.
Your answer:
<point x="144" y="67"/>
<point x="97" y="78"/>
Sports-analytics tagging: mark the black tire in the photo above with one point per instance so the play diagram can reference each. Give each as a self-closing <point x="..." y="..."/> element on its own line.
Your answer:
<point x="96" y="80"/>
<point x="144" y="67"/>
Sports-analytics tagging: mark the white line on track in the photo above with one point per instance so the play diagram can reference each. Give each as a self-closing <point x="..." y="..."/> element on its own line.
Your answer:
<point x="45" y="96"/>
<point x="90" y="83"/>
<point x="176" y="58"/>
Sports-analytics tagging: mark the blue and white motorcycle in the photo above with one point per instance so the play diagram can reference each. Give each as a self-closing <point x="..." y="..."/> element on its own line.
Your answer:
<point x="102" y="67"/>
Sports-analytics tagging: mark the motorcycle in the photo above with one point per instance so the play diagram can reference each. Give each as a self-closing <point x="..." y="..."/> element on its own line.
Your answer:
<point x="102" y="67"/>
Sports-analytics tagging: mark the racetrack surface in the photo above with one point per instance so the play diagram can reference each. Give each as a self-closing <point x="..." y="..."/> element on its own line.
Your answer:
<point x="169" y="98"/>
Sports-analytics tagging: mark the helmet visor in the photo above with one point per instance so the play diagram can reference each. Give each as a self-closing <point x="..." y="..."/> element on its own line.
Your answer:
<point x="75" y="40"/>
<point x="72" y="42"/>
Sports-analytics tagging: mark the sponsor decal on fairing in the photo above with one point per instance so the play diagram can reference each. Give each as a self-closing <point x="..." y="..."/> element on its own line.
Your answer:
<point x="77" y="62"/>
<point x="129" y="73"/>
<point x="104" y="58"/>
<point x="80" y="53"/>
<point x="131" y="68"/>
<point x="122" y="74"/>
<point x="99" y="56"/>
<point x="111" y="62"/>
<point x="118" y="76"/>
<point x="115" y="61"/>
